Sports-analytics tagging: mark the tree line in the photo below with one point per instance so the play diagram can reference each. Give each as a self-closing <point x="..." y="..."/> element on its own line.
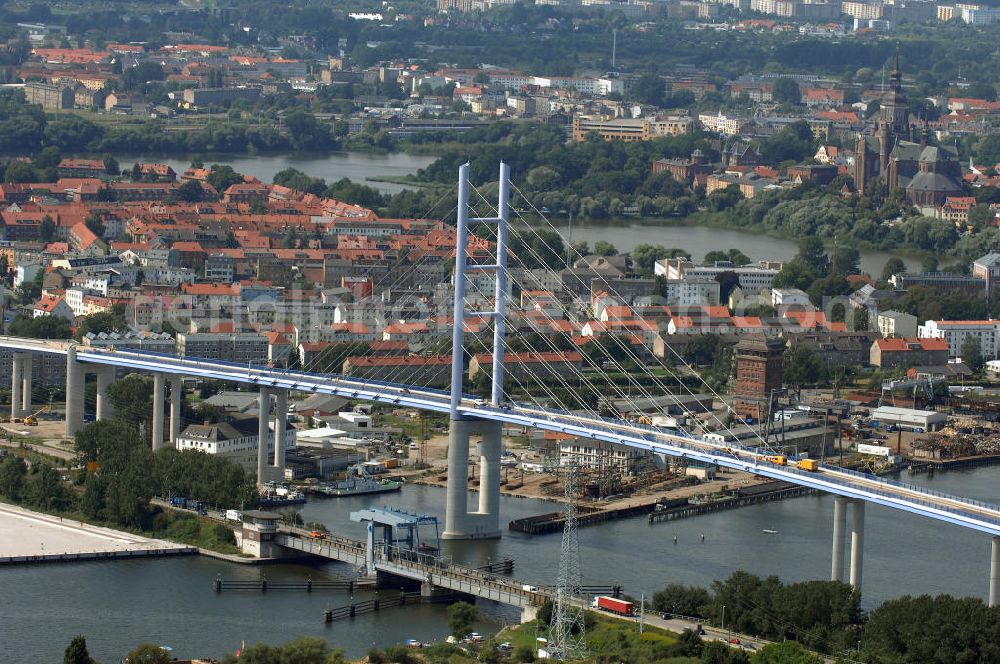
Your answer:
<point x="826" y="616"/>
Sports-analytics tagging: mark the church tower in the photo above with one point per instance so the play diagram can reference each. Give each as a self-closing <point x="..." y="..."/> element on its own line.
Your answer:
<point x="894" y="113"/>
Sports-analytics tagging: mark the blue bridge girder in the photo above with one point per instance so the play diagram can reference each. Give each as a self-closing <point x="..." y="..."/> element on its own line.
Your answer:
<point x="959" y="511"/>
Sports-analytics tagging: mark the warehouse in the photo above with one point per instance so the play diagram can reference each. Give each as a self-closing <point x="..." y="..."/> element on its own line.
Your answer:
<point x="909" y="418"/>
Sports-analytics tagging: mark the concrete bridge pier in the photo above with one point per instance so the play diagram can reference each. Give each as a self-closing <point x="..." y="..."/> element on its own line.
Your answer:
<point x="280" y="423"/>
<point x="159" y="383"/>
<point x="105" y="376"/>
<point x="857" y="541"/>
<point x="839" y="526"/>
<point x="20" y="388"/>
<point x="994" y="599"/>
<point x="263" y="432"/>
<point x="529" y="613"/>
<point x="74" y="393"/>
<point x="176" y="400"/>
<point x="459" y="523"/>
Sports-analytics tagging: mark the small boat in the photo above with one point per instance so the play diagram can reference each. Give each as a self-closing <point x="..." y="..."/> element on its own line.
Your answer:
<point x="769" y="531"/>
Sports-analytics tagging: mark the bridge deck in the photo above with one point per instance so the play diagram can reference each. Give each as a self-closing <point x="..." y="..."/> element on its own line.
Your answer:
<point x="418" y="567"/>
<point x="959" y="511"/>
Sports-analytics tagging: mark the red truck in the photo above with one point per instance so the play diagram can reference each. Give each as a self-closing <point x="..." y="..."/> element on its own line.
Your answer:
<point x="619" y="606"/>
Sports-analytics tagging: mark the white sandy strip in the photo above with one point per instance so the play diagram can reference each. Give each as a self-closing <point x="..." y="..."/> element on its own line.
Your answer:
<point x="27" y="533"/>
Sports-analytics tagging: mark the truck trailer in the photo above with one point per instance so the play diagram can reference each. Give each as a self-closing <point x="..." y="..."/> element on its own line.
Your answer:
<point x="619" y="606"/>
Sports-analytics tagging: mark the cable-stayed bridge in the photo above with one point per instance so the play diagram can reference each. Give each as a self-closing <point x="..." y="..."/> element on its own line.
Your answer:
<point x="474" y="416"/>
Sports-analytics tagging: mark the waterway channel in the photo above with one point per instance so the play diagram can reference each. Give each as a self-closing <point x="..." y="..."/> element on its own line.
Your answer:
<point x="699" y="240"/>
<point x="358" y="166"/>
<point x="170" y="601"/>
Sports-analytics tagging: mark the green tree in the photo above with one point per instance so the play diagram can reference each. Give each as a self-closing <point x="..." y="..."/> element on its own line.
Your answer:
<point x="92" y="500"/>
<point x="148" y="653"/>
<point x="813" y="253"/>
<point x="972" y="353"/>
<point x="45" y="491"/>
<point x="41" y="327"/>
<point x="223" y="177"/>
<point x="461" y="616"/>
<point x="76" y="652"/>
<point x="894" y="265"/>
<point x="604" y="248"/>
<point x="846" y="260"/>
<point x="131" y="397"/>
<point x="47" y="229"/>
<point x="859" y="319"/>
<point x="306" y="132"/>
<point x="650" y="89"/>
<point x="802" y="367"/>
<point x="786" y="91"/>
<point x="897" y="631"/>
<point x="12" y="472"/>
<point x="681" y="600"/>
<point x="788" y="652"/>
<point x="189" y="191"/>
<point x="644" y="257"/>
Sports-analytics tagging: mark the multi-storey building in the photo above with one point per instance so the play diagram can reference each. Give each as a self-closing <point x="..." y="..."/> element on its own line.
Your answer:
<point x="955" y="332"/>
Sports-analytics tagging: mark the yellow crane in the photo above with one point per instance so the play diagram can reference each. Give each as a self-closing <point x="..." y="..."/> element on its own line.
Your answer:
<point x="32" y="420"/>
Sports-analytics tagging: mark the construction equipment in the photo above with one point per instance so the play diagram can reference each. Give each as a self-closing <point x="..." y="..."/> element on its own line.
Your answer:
<point x="32" y="420"/>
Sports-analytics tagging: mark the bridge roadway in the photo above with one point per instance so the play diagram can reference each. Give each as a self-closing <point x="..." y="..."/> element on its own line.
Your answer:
<point x="849" y="484"/>
<point x="431" y="571"/>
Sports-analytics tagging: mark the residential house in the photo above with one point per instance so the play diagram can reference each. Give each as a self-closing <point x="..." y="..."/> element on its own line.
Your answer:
<point x="903" y="353"/>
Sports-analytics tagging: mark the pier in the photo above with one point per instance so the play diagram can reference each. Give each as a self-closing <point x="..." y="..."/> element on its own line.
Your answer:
<point x="760" y="493"/>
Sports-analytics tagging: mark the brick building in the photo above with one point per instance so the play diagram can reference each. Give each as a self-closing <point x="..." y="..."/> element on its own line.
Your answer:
<point x="759" y="373"/>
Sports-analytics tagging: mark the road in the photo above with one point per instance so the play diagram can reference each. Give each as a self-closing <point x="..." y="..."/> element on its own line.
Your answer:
<point x="951" y="509"/>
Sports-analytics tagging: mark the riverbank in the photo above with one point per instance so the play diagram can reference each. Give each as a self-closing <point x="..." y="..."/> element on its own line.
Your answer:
<point x="33" y="537"/>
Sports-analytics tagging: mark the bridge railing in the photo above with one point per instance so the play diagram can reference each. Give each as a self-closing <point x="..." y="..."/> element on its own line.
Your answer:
<point x="260" y="368"/>
<point x="922" y="490"/>
<point x="425" y="562"/>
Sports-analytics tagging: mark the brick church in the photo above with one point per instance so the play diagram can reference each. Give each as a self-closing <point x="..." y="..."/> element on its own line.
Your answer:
<point x="903" y="156"/>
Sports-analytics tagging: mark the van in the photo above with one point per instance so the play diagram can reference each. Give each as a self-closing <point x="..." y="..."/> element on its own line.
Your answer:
<point x="233" y="515"/>
<point x="530" y="588"/>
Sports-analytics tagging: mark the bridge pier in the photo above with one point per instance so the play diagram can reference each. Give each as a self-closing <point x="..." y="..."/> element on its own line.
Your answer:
<point x="839" y="526"/>
<point x="263" y="432"/>
<point x="994" y="599"/>
<point x="459" y="523"/>
<point x="20" y="388"/>
<point x="159" y="383"/>
<point x="529" y="613"/>
<point x="280" y="422"/>
<point x="74" y="392"/>
<point x="105" y="376"/>
<point x="857" y="541"/>
<point x="176" y="400"/>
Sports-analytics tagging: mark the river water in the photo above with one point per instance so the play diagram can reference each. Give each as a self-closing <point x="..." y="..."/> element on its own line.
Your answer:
<point x="171" y="601"/>
<point x="358" y="166"/>
<point x="699" y="240"/>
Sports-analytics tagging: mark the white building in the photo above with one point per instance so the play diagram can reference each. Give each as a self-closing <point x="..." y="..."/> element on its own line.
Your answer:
<point x="595" y="454"/>
<point x="692" y="292"/>
<point x="752" y="278"/>
<point x="235" y="440"/>
<point x="789" y="297"/>
<point x="955" y="332"/>
<point x="897" y="324"/>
